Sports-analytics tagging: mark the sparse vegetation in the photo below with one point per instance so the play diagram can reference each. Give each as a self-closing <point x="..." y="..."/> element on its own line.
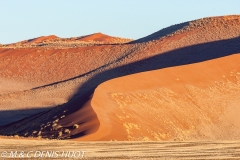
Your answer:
<point x="75" y="126"/>
<point x="56" y="126"/>
<point x="67" y="131"/>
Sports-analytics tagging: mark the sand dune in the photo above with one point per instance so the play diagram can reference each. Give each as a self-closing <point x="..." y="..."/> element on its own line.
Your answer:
<point x="192" y="102"/>
<point x="100" y="37"/>
<point x="42" y="39"/>
<point x="65" y="77"/>
<point x="53" y="41"/>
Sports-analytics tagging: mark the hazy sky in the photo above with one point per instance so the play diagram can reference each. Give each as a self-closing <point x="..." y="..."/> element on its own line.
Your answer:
<point x="25" y="19"/>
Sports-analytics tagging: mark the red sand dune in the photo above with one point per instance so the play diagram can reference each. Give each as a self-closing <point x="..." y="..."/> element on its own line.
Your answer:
<point x="53" y="41"/>
<point x="99" y="37"/>
<point x="65" y="77"/>
<point x="191" y="102"/>
<point x="96" y="37"/>
<point x="42" y="39"/>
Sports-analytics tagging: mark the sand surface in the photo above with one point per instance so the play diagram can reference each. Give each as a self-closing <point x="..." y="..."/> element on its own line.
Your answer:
<point x="175" y="103"/>
<point x="125" y="150"/>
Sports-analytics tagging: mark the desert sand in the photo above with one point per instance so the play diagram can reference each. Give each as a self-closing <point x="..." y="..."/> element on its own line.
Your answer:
<point x="180" y="83"/>
<point x="123" y="150"/>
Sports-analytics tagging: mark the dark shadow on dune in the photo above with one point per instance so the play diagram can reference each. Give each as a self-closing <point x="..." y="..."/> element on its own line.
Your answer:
<point x="8" y="116"/>
<point x="80" y="134"/>
<point x="178" y="57"/>
<point x="43" y="120"/>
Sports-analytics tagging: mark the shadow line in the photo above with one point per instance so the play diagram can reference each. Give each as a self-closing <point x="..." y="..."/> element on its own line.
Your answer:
<point x="92" y="71"/>
<point x="178" y="57"/>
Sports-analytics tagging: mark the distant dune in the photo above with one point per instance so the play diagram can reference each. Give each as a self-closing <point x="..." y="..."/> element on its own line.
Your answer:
<point x="53" y="41"/>
<point x="100" y="37"/>
<point x="57" y="78"/>
<point x="42" y="39"/>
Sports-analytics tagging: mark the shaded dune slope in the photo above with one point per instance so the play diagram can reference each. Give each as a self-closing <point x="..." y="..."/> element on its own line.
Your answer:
<point x="190" y="46"/>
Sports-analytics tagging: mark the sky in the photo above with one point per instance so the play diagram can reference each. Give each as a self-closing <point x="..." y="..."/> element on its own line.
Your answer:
<point x="26" y="19"/>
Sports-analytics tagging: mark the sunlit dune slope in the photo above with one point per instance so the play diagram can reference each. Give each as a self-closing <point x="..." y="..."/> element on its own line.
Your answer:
<point x="192" y="102"/>
<point x="52" y="77"/>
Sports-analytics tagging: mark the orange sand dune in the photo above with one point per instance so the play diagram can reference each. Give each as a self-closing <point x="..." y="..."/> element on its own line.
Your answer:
<point x="101" y="38"/>
<point x="96" y="37"/>
<point x="62" y="76"/>
<point x="42" y="39"/>
<point x="53" y="41"/>
<point x="192" y="102"/>
<point x="45" y="66"/>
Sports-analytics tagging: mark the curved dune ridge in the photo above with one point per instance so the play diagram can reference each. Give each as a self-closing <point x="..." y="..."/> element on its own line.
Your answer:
<point x="190" y="102"/>
<point x="55" y="84"/>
